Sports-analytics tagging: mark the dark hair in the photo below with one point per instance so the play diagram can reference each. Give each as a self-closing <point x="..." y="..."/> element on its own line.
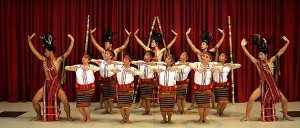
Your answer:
<point x="48" y="41"/>
<point x="108" y="35"/>
<point x="112" y="52"/>
<point x="130" y="55"/>
<point x="89" y="54"/>
<point x="157" y="36"/>
<point x="206" y="37"/>
<point x="151" y="53"/>
<point x="188" y="54"/>
<point x="227" y="55"/>
<point x="174" y="57"/>
<point x="50" y="48"/>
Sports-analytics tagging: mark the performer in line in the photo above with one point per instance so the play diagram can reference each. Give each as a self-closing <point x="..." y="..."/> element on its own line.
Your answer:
<point x="167" y="86"/>
<point x="202" y="85"/>
<point x="146" y="81"/>
<point x="107" y="79"/>
<point x="221" y="86"/>
<point x="125" y="77"/>
<point x="206" y="40"/>
<point x="52" y="87"/>
<point x="157" y="39"/>
<point x="108" y="39"/>
<point x="85" y="86"/>
<point x="182" y="82"/>
<point x="270" y="94"/>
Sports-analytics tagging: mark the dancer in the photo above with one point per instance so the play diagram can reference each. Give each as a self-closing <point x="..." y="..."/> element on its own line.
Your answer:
<point x="52" y="87"/>
<point x="268" y="87"/>
<point x="85" y="86"/>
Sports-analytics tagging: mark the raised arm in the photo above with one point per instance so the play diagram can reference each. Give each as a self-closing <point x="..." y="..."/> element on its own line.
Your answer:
<point x="125" y="43"/>
<point x="66" y="54"/>
<point x="197" y="51"/>
<point x="32" y="48"/>
<point x="220" y="41"/>
<point x="243" y="44"/>
<point x="71" y="68"/>
<point x="172" y="42"/>
<point x="281" y="51"/>
<point x="99" y="48"/>
<point x="139" y="41"/>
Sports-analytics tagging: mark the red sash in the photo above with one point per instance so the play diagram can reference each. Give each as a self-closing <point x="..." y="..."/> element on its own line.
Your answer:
<point x="270" y="94"/>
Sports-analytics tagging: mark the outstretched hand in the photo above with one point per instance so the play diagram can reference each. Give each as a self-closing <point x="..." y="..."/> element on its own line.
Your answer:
<point x="222" y="31"/>
<point x="128" y="33"/>
<point x="285" y="39"/>
<point x="174" y="33"/>
<point x="92" y="31"/>
<point x="136" y="32"/>
<point x="71" y="37"/>
<point x="244" y="42"/>
<point x="30" y="37"/>
<point x="188" y="31"/>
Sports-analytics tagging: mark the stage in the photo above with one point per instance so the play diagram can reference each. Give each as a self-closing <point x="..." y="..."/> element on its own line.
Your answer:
<point x="233" y="114"/>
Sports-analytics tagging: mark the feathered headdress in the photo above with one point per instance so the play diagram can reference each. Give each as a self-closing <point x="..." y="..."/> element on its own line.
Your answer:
<point x="206" y="37"/>
<point x="48" y="41"/>
<point x="261" y="43"/>
<point x="108" y="35"/>
<point x="157" y="36"/>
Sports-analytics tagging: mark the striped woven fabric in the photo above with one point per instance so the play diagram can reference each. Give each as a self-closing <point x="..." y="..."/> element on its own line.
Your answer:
<point x="222" y="92"/>
<point x="167" y="100"/>
<point x="203" y="98"/>
<point x="50" y="108"/>
<point x="146" y="88"/>
<point x="181" y="91"/>
<point x="125" y="93"/>
<point x="84" y="94"/>
<point x="108" y="89"/>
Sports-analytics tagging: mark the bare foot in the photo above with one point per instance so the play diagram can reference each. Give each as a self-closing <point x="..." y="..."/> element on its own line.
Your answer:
<point x="98" y="108"/>
<point x="170" y="122"/>
<point x="128" y="121"/>
<point x="191" y="107"/>
<point x="84" y="119"/>
<point x="200" y="121"/>
<point x="105" y="112"/>
<point x="111" y="112"/>
<point x="36" y="118"/>
<point x="182" y="112"/>
<point x="123" y="121"/>
<point x="163" y="121"/>
<point x="289" y="118"/>
<point x="70" y="119"/>
<point x="205" y="121"/>
<point x="149" y="113"/>
<point x="145" y="113"/>
<point x="88" y="120"/>
<point x="246" y="118"/>
<point x="218" y="115"/>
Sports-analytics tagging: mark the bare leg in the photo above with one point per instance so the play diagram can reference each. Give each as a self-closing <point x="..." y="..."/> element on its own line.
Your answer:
<point x="206" y="111"/>
<point x="148" y="106"/>
<point x="224" y="104"/>
<point x="163" y="114"/>
<point x="145" y="106"/>
<point x="87" y="113"/>
<point x="35" y="102"/>
<point x="192" y="103"/>
<point x="127" y="111"/>
<point x="82" y="113"/>
<point x="110" y="106"/>
<point x="63" y="98"/>
<point x="219" y="105"/>
<point x="284" y="108"/>
<point x="101" y="103"/>
<point x="170" y="118"/>
<point x="106" y="107"/>
<point x="179" y="106"/>
<point x="252" y="98"/>
<point x="183" y="105"/>
<point x="201" y="114"/>
<point x="123" y="115"/>
<point x="139" y="105"/>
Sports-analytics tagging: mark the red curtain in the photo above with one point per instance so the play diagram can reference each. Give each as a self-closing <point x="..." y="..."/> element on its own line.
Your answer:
<point x="22" y="74"/>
